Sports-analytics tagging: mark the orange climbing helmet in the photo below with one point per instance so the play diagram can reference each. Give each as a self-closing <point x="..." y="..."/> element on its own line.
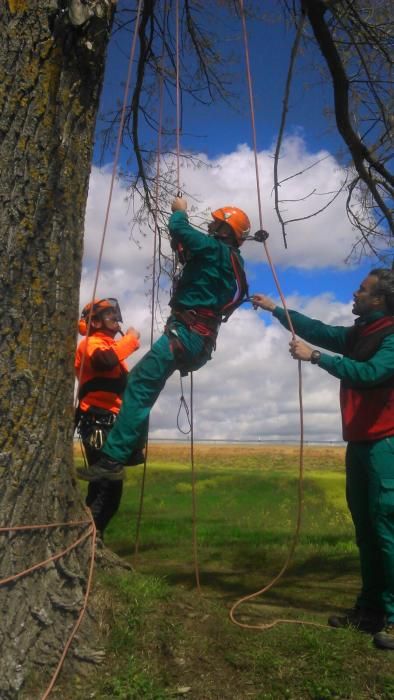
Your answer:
<point x="236" y="219"/>
<point x="99" y="305"/>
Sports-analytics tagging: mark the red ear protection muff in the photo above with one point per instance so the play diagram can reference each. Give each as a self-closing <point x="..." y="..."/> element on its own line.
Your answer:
<point x="82" y="326"/>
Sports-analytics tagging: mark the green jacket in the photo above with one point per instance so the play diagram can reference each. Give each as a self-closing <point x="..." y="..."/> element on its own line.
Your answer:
<point x="207" y="278"/>
<point x="377" y="369"/>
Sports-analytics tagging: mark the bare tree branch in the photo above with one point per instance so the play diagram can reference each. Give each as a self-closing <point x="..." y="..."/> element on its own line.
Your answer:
<point x="361" y="154"/>
<point x="282" y="125"/>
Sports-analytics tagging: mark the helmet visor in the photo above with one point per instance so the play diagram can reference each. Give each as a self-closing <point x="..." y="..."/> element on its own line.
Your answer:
<point x="108" y="304"/>
<point x="102" y="305"/>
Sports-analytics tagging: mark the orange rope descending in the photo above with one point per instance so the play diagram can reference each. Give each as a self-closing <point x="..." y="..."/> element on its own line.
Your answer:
<point x="193" y="466"/>
<point x="114" y="171"/>
<point x="155" y="240"/>
<point x="54" y="557"/>
<point x="178" y="101"/>
<point x="74" y="630"/>
<point x="194" y="498"/>
<point x="301" y="454"/>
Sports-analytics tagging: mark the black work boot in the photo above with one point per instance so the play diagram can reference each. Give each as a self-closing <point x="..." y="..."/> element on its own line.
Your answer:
<point x="369" y="621"/>
<point x="104" y="468"/>
<point x="385" y="638"/>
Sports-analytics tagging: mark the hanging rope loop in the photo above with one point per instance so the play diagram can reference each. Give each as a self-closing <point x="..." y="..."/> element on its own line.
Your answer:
<point x="183" y="405"/>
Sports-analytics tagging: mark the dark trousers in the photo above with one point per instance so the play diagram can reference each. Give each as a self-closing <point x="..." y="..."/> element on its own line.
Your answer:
<point x="370" y="497"/>
<point x="103" y="497"/>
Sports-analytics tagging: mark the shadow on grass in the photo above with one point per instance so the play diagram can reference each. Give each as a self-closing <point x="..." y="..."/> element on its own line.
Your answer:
<point x="245" y="548"/>
<point x="313" y="586"/>
<point x="244" y="535"/>
<point x="316" y="595"/>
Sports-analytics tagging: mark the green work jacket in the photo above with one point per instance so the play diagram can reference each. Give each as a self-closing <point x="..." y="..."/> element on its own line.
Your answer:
<point x="207" y="278"/>
<point x="377" y="369"/>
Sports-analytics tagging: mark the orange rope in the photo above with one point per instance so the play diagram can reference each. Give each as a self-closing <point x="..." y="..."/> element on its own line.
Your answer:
<point x="74" y="630"/>
<point x="47" y="526"/>
<point x="178" y="130"/>
<point x="156" y="235"/>
<point x="14" y="577"/>
<point x="114" y="170"/>
<point x="301" y="457"/>
<point x="54" y="557"/>
<point x="253" y="126"/>
<point x="194" y="499"/>
<point x="178" y="102"/>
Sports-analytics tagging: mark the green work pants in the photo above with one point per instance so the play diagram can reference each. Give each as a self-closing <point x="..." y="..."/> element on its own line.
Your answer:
<point x="370" y="497"/>
<point x="144" y="385"/>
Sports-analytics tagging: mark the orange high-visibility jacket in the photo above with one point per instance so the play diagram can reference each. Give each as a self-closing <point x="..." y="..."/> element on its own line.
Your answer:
<point x="104" y="371"/>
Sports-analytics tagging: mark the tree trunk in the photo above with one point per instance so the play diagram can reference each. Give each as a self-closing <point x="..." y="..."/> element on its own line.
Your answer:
<point x="51" y="72"/>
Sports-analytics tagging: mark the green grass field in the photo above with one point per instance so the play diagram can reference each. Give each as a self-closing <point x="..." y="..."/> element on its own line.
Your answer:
<point x="165" y="640"/>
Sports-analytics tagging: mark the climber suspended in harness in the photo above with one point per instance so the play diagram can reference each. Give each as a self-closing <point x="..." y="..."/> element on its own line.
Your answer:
<point x="201" y="321"/>
<point x="232" y="226"/>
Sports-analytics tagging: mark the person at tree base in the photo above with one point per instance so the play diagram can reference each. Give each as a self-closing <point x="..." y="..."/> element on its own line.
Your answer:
<point x="366" y="371"/>
<point x="212" y="285"/>
<point x="102" y="372"/>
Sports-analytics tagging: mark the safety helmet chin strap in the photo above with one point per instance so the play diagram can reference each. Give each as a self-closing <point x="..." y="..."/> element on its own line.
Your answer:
<point x="223" y="231"/>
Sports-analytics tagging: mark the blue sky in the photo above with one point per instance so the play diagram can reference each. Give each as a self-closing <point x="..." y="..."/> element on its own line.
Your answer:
<point x="258" y="376"/>
<point x="218" y="129"/>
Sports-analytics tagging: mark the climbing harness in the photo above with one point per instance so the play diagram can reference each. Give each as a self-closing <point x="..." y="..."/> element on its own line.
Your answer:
<point x="205" y="321"/>
<point x="94" y="426"/>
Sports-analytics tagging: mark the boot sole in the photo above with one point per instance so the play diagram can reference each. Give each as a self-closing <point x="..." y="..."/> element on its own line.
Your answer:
<point x="381" y="644"/>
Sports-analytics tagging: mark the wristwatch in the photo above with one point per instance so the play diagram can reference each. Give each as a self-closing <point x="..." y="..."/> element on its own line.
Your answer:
<point x="315" y="357"/>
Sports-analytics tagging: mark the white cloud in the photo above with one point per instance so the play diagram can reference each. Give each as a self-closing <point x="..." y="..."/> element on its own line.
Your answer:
<point x="316" y="242"/>
<point x="250" y="388"/>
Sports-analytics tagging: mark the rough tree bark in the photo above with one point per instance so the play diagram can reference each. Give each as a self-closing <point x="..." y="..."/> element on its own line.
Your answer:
<point x="51" y="67"/>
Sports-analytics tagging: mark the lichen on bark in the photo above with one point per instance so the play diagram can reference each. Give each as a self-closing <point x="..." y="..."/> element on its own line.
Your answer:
<point x="51" y="80"/>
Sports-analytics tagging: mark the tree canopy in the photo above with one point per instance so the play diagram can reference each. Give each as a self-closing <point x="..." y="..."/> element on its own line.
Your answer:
<point x="352" y="45"/>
